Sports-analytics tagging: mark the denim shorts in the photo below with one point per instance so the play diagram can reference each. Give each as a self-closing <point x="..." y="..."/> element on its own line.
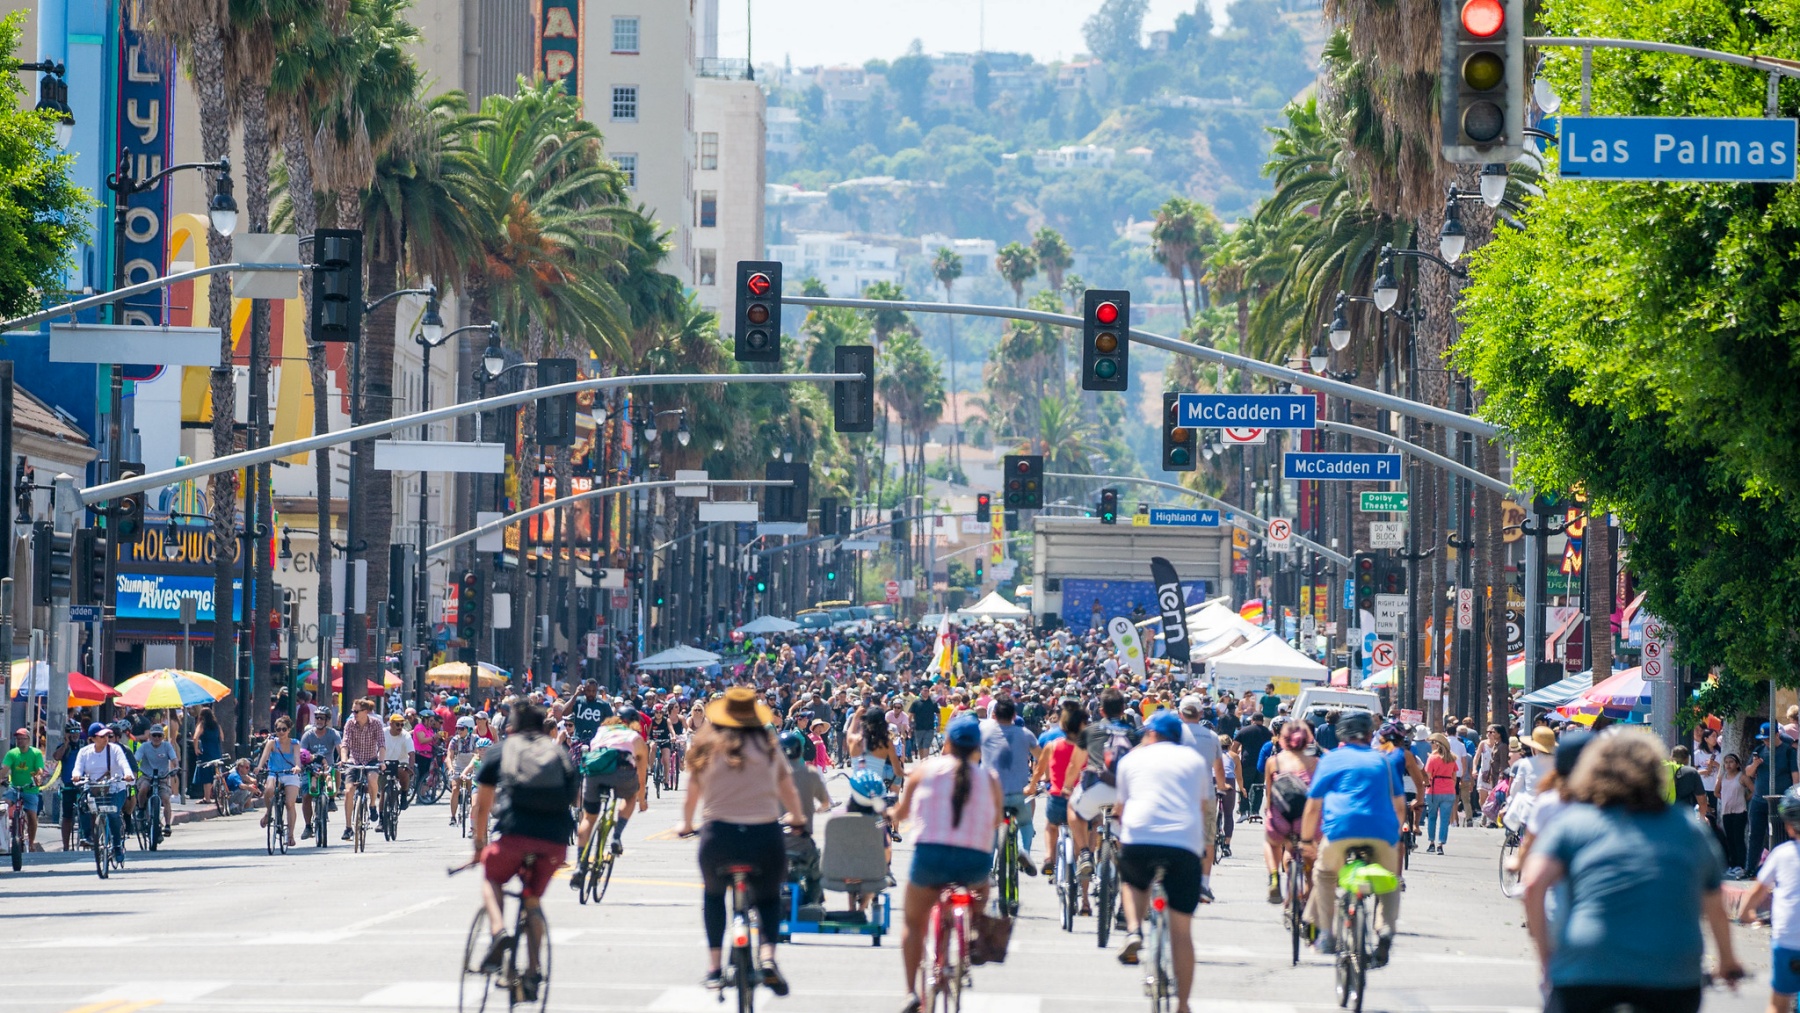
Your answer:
<point x="941" y="865"/>
<point x="1785" y="970"/>
<point x="1056" y="811"/>
<point x="31" y="803"/>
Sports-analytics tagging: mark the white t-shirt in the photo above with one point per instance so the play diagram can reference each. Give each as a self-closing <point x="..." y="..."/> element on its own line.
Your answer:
<point x="1525" y="776"/>
<point x="1544" y="811"/>
<point x="1160" y="789"/>
<point x="1205" y="742"/>
<point x="1781" y="874"/>
<point x="396" y="747"/>
<point x="1460" y="750"/>
<point x="1704" y="758"/>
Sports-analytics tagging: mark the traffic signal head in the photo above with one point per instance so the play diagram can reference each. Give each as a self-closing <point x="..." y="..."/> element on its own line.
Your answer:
<point x="853" y="401"/>
<point x="984" y="508"/>
<point x="658" y="599"/>
<point x="844" y="523"/>
<point x="52" y="563"/>
<point x="126" y="516"/>
<point x="828" y="515"/>
<point x="1109" y="506"/>
<point x="556" y="414"/>
<point x="980" y="569"/>
<point x="831" y="574"/>
<point x="1105" y="352"/>
<point x="337" y="288"/>
<point x="1390" y="576"/>
<point x="1483" y="80"/>
<point x="1364" y="566"/>
<point x="468" y="607"/>
<point x="897" y="527"/>
<point x="1024" y="481"/>
<point x="1178" y="450"/>
<point x="758" y="334"/>
<point x="87" y="584"/>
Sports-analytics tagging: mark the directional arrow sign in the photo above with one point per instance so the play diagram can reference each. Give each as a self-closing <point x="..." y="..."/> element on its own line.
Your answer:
<point x="1341" y="467"/>
<point x="1383" y="502"/>
<point x="1677" y="148"/>
<point x="1269" y="411"/>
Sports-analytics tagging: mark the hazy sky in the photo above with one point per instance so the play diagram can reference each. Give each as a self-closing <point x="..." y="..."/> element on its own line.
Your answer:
<point x="852" y="31"/>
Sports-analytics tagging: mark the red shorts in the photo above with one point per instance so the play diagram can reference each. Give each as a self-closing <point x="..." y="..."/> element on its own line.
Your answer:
<point x="505" y="858"/>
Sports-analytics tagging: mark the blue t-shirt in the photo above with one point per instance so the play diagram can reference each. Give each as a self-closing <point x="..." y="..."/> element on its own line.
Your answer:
<point x="1325" y="735"/>
<point x="1358" y="786"/>
<point x="1006" y="750"/>
<point x="1634" y="886"/>
<point x="1050" y="736"/>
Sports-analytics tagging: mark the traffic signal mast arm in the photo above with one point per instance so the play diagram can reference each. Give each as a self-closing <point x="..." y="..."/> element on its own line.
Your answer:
<point x="611" y="490"/>
<point x="1310" y="381"/>
<point x="153" y="285"/>
<point x="1461" y="471"/>
<point x="1774" y="66"/>
<point x="232" y="462"/>
<point x="887" y="523"/>
<point x="1336" y="557"/>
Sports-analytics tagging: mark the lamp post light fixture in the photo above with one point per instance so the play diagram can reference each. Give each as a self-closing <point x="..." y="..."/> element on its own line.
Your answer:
<point x="1340" y="324"/>
<point x="493" y="360"/>
<point x="1452" y="238"/>
<point x="1387" y="290"/>
<point x="53" y="97"/>
<point x="1493" y="183"/>
<point x="431" y="326"/>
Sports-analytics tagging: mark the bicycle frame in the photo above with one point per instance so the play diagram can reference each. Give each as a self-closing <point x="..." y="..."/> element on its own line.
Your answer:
<point x="942" y="976"/>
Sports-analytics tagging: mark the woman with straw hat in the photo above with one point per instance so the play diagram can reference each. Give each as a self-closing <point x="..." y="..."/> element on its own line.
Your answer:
<point x="1527" y="774"/>
<point x="741" y="783"/>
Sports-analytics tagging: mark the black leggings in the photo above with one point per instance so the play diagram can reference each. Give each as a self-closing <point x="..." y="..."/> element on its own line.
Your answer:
<point x="755" y="844"/>
<point x="1622" y="999"/>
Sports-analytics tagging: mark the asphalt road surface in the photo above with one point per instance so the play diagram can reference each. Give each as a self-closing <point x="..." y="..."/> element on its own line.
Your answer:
<point x="212" y="922"/>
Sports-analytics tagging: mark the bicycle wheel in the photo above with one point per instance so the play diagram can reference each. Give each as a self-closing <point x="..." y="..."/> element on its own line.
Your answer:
<point x="749" y="978"/>
<point x="279" y="822"/>
<point x="1162" y="975"/>
<point x="18" y="841"/>
<point x="474" y="986"/>
<point x="359" y="821"/>
<point x="100" y="850"/>
<point x="156" y="824"/>
<point x="1509" y="878"/>
<point x="588" y="864"/>
<point x="1295" y="912"/>
<point x="1066" y="888"/>
<point x="321" y="820"/>
<point x="1009" y="872"/>
<point x="1359" y="952"/>
<point x="1106" y="896"/>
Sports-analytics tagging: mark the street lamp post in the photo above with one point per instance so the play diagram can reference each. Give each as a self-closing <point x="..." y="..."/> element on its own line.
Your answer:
<point x="224" y="214"/>
<point x="493" y="369"/>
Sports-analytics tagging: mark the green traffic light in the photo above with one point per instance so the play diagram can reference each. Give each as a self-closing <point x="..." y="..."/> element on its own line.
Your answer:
<point x="1106" y="369"/>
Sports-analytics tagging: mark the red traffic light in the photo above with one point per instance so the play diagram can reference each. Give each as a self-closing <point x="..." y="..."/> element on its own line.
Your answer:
<point x="758" y="284"/>
<point x="982" y="500"/>
<point x="1483" y="18"/>
<point x="1107" y="312"/>
<point x="1022" y="467"/>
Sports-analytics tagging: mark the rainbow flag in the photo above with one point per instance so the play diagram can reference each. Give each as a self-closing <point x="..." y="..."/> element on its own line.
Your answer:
<point x="1251" y="611"/>
<point x="943" y="652"/>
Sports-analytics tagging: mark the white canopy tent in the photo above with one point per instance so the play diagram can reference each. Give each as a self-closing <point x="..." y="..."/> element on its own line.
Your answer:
<point x="1215" y="618"/>
<point x="1218" y="643"/>
<point x="676" y="658"/>
<point x="995" y="607"/>
<point x="1265" y="659"/>
<point x="768" y="624"/>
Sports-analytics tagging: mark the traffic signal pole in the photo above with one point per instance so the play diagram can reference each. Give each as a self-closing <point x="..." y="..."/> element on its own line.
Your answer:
<point x="610" y="490"/>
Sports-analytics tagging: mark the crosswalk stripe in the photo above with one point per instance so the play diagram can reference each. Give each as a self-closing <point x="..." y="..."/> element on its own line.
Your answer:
<point x="156" y="991"/>
<point x="988" y="1002"/>
<point x="436" y="994"/>
<point x="115" y="1006"/>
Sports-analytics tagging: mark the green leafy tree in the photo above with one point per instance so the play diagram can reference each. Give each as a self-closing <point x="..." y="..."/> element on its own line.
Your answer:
<point x="1017" y="265"/>
<point x="41" y="209"/>
<point x="1054" y="255"/>
<point x="1114" y="31"/>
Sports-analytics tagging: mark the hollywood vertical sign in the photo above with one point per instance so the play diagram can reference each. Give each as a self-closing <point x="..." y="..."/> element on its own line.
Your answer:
<point x="559" y="41"/>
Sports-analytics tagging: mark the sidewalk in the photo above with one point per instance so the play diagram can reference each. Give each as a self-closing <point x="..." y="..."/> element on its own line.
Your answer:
<point x="193" y="810"/>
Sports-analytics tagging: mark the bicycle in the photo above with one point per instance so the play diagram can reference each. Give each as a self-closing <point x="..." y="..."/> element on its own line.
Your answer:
<point x="14" y="808"/>
<point x="1159" y="984"/>
<point x="1006" y="864"/>
<point x="1106" y="871"/>
<point x="464" y="795"/>
<point x="1296" y="883"/>
<point x="1359" y="882"/>
<point x="1068" y="889"/>
<point x="1509" y="866"/>
<point x="656" y="769"/>
<point x="476" y="986"/>
<point x="100" y="803"/>
<point x="358" y="813"/>
<point x="221" y="788"/>
<point x="390" y="800"/>
<point x="594" y="866"/>
<point x="146" y="818"/>
<point x="944" y="971"/>
<point x="323" y="794"/>
<point x="277" y="825"/>
<point x="429" y="787"/>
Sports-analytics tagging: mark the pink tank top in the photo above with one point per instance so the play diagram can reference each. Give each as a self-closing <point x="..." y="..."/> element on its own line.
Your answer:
<point x="935" y="815"/>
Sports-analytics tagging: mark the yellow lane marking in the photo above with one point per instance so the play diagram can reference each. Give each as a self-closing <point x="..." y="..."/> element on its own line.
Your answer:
<point x="663" y="835"/>
<point x="115" y="1006"/>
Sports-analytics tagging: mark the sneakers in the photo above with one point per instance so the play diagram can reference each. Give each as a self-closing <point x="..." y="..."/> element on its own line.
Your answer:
<point x="1384" y="942"/>
<point x="771" y="976"/>
<point x="495" y="957"/>
<point x="1206" y="894"/>
<point x="617" y="847"/>
<point x="1326" y="944"/>
<point x="1274" y="887"/>
<point x="346" y="834"/>
<point x="1025" y="865"/>
<point x="1084" y="865"/>
<point x="714" y="980"/>
<point x="1128" y="954"/>
<point x="306" y="832"/>
<point x="577" y="878"/>
<point x="529" y="983"/>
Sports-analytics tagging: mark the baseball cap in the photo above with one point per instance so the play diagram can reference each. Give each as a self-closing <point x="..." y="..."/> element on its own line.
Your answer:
<point x="156" y="729"/>
<point x="1166" y="726"/>
<point x="964" y="732"/>
<point x="22" y="731"/>
<point x="96" y="728"/>
<point x="1192" y="705"/>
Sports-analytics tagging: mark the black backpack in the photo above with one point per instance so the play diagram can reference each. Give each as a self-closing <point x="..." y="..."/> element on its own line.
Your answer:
<point x="536" y="774"/>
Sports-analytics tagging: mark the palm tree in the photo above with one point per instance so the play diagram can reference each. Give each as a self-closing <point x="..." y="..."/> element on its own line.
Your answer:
<point x="1018" y="265"/>
<point x="1174" y="238"/>
<point x="201" y="31"/>
<point x="1054" y="255"/>
<point x="884" y="321"/>
<point x="946" y="267"/>
<point x="1065" y="436"/>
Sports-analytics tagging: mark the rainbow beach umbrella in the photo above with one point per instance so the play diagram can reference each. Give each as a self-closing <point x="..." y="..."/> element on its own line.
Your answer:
<point x="1621" y="695"/>
<point x="1252" y="611"/>
<point x="170" y="687"/>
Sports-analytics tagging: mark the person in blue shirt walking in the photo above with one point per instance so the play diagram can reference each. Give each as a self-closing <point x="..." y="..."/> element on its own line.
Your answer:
<point x="1355" y="800"/>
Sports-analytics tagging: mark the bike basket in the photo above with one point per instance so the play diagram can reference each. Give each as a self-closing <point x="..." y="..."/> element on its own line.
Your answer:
<point x="1364" y="879"/>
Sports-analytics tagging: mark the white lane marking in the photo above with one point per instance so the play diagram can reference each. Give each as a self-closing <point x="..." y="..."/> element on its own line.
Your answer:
<point x="162" y="991"/>
<point x="344" y="932"/>
<point x="560" y="937"/>
<point x="438" y="994"/>
<point x="691" y="999"/>
<point x="987" y="1002"/>
<point x="78" y="942"/>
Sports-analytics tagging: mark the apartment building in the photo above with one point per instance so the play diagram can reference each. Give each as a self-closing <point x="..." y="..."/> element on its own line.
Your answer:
<point x="845" y="266"/>
<point x="729" y="174"/>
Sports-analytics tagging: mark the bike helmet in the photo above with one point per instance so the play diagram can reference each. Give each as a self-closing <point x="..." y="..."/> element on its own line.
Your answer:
<point x="306" y="757"/>
<point x="465" y="722"/>
<point x="1789" y="806"/>
<point x="1393" y="732"/>
<point x="867" y="789"/>
<point x="1355" y="724"/>
<point x="793" y="744"/>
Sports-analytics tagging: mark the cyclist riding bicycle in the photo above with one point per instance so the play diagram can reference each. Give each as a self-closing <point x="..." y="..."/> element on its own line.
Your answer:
<point x="1163" y="825"/>
<point x="157" y="761"/>
<point x="362" y="748"/>
<point x="617" y="761"/>
<point x="1355" y="800"/>
<point x="103" y="761"/>
<point x="1010" y="751"/>
<point x="25" y="777"/>
<point x="529" y="783"/>
<point x="396" y="756"/>
<point x="957" y="806"/>
<point x="1105" y="743"/>
<point x="323" y="742"/>
<point x="585" y="712"/>
<point x="459" y="750"/>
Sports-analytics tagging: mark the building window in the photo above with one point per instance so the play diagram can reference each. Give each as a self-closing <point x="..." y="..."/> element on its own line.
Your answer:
<point x="709" y="150"/>
<point x="709" y="208"/>
<point x="625" y="35"/>
<point x="709" y="267"/>
<point x="628" y="165"/>
<point x="625" y="103"/>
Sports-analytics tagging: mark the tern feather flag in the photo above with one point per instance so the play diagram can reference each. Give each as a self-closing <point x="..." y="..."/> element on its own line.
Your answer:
<point x="1172" y="604"/>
